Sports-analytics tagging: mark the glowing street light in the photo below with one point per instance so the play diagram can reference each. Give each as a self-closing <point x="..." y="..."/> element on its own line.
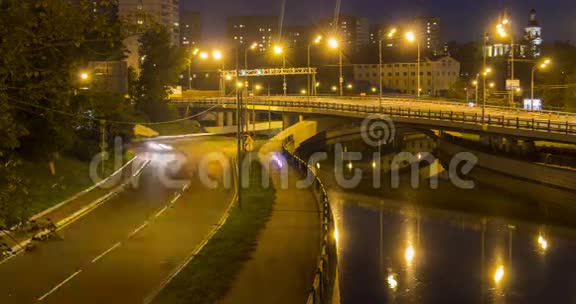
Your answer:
<point x="334" y="88"/>
<point x="203" y="55"/>
<point x="84" y="76"/>
<point x="278" y="49"/>
<point x="410" y="36"/>
<point x="217" y="55"/>
<point x="333" y="43"/>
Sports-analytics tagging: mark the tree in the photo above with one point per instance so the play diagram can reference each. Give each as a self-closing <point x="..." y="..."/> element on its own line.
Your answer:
<point x="43" y="46"/>
<point x="561" y="75"/>
<point x="160" y="67"/>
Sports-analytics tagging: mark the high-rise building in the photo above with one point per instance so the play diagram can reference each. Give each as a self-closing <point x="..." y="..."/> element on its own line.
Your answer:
<point x="533" y="35"/>
<point x="377" y="32"/>
<point x="246" y="30"/>
<point x="146" y="13"/>
<point x="190" y="28"/>
<point x="297" y="36"/>
<point x="428" y="29"/>
<point x="353" y="31"/>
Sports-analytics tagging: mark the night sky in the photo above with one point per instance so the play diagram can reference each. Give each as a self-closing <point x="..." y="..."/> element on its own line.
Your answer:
<point x="461" y="19"/>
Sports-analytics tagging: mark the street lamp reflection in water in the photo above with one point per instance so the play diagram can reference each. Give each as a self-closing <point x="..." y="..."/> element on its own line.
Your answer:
<point x="409" y="254"/>
<point x="499" y="274"/>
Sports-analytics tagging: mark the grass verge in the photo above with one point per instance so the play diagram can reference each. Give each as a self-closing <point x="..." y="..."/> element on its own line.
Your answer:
<point x="209" y="276"/>
<point x="45" y="190"/>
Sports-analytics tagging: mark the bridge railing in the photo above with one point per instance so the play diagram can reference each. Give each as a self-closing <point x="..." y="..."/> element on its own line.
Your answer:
<point x="324" y="278"/>
<point x="422" y="102"/>
<point x="459" y="116"/>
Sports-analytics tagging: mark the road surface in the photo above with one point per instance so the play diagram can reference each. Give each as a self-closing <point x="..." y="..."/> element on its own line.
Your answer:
<point x="125" y="248"/>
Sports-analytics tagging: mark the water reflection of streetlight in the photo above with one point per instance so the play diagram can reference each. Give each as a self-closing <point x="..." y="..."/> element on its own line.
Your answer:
<point x="499" y="274"/>
<point x="392" y="282"/>
<point x="409" y="254"/>
<point x="542" y="243"/>
<point x="336" y="235"/>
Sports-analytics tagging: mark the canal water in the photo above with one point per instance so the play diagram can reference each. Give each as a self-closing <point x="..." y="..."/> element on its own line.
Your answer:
<point x="449" y="245"/>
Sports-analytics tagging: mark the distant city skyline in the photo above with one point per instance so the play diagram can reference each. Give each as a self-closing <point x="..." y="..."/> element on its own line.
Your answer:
<point x="462" y="20"/>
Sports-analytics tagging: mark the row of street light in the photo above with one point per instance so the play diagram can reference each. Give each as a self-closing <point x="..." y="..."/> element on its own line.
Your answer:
<point x="332" y="43"/>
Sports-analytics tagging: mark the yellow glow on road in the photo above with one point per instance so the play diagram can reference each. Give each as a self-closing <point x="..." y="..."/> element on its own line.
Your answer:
<point x="499" y="274"/>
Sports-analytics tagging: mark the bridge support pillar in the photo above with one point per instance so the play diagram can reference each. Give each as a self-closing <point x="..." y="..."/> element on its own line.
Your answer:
<point x="528" y="147"/>
<point x="229" y="118"/>
<point x="511" y="145"/>
<point x="288" y="120"/>
<point x="220" y="119"/>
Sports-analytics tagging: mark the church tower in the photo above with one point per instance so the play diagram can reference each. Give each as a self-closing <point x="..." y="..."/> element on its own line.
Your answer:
<point x="533" y="35"/>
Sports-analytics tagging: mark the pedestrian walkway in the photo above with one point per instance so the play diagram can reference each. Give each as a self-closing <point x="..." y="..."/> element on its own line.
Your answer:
<point x="282" y="267"/>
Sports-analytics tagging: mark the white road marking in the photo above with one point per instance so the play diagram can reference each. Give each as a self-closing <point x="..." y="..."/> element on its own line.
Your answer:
<point x="138" y="229"/>
<point x="161" y="211"/>
<point x="60" y="285"/>
<point x="106" y="252"/>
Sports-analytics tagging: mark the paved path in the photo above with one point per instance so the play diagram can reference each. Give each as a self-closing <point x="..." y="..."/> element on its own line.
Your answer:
<point x="282" y="267"/>
<point x="125" y="248"/>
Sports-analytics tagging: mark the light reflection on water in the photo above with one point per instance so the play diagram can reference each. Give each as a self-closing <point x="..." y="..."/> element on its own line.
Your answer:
<point x="436" y="256"/>
<point x="403" y="249"/>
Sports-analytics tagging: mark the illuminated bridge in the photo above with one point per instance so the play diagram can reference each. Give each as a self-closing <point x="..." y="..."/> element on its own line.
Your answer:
<point x="552" y="126"/>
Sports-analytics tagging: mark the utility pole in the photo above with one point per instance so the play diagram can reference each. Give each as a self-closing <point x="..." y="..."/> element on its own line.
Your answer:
<point x="239" y="135"/>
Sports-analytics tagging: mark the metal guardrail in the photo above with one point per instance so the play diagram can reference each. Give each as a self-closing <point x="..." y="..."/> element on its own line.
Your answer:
<point x="323" y="284"/>
<point x="423" y="100"/>
<point x="503" y="121"/>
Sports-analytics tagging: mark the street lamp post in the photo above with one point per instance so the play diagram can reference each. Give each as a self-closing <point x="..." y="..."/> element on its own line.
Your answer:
<point x="312" y="83"/>
<point x="534" y="68"/>
<point x="335" y="44"/>
<point x="502" y="32"/>
<point x="194" y="53"/>
<point x="380" y="61"/>
<point x="279" y="50"/>
<point x="485" y="75"/>
<point x="410" y="36"/>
